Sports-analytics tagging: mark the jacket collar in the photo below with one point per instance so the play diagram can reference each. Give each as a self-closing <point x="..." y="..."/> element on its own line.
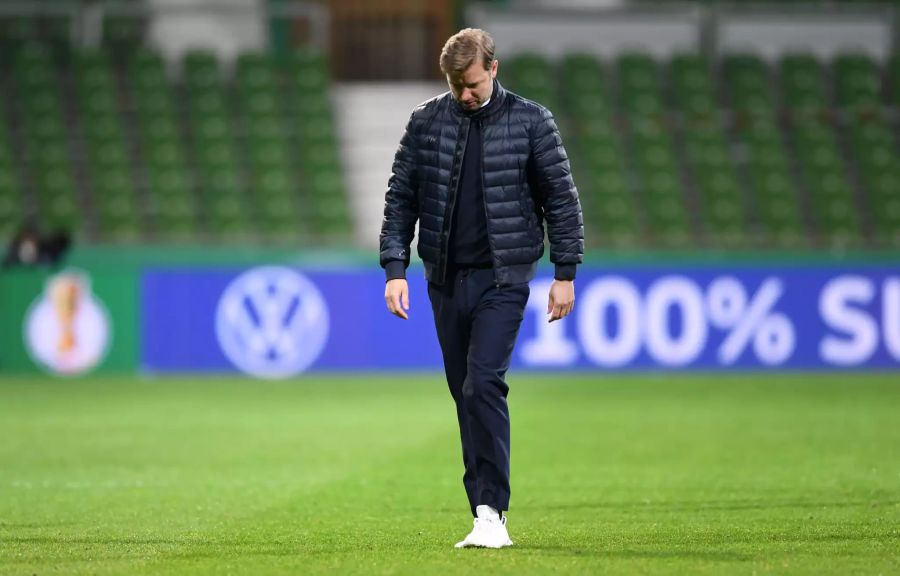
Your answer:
<point x="495" y="104"/>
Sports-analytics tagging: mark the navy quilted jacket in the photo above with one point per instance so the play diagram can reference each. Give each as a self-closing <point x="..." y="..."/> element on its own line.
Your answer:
<point x="526" y="177"/>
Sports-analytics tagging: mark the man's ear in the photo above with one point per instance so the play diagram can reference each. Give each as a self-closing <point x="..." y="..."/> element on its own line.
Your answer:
<point x="494" y="65"/>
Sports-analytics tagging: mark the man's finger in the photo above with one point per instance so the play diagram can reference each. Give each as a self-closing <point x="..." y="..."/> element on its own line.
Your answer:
<point x="550" y="304"/>
<point x="404" y="298"/>
<point x="556" y="314"/>
<point x="397" y="309"/>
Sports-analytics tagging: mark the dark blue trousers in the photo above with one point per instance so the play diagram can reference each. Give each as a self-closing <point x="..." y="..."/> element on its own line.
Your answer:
<point x="477" y="324"/>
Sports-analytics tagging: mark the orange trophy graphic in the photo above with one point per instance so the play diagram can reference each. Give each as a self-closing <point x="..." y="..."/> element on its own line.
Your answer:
<point x="66" y="294"/>
<point x="67" y="329"/>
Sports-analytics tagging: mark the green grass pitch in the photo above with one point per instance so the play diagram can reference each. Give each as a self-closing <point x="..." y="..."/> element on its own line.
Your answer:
<point x="651" y="474"/>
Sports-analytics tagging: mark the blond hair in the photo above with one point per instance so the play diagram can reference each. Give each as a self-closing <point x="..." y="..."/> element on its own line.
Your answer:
<point x="463" y="48"/>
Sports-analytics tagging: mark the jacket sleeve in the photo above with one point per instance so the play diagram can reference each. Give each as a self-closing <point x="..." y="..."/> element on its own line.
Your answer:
<point x="562" y="209"/>
<point x="400" y="208"/>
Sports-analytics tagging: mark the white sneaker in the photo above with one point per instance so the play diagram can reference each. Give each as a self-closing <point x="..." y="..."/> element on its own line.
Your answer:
<point x="489" y="530"/>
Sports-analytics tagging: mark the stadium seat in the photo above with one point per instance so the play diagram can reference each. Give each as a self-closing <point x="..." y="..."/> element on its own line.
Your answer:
<point x="893" y="79"/>
<point x="640" y="90"/>
<point x="200" y="69"/>
<point x="747" y="80"/>
<point x="857" y="81"/>
<point x="692" y="85"/>
<point x="586" y="94"/>
<point x="532" y="76"/>
<point x="824" y="172"/>
<point x="12" y="210"/>
<point x="305" y="71"/>
<point x="687" y="151"/>
<point x="123" y="36"/>
<point x="143" y="156"/>
<point x="802" y="83"/>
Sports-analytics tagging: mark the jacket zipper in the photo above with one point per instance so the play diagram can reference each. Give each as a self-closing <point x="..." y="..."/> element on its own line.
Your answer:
<point x="448" y="216"/>
<point x="487" y="222"/>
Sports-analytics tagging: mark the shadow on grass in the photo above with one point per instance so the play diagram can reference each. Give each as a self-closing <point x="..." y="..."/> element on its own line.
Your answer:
<point x="702" y="555"/>
<point x="73" y="550"/>
<point x="710" y="505"/>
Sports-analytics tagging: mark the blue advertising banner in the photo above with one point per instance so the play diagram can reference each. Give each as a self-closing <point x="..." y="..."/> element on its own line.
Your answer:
<point x="275" y="322"/>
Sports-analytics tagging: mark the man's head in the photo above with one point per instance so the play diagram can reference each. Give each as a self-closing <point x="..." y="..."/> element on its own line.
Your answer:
<point x="467" y="61"/>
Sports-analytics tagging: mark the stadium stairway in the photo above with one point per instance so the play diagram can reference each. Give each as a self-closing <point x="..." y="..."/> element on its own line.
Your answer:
<point x="370" y="121"/>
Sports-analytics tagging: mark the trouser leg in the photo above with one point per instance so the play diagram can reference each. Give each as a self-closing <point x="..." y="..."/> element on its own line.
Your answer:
<point x="453" y="330"/>
<point x="496" y="317"/>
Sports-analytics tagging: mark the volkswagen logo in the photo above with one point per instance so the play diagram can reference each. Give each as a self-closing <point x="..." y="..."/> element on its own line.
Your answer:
<point x="272" y="322"/>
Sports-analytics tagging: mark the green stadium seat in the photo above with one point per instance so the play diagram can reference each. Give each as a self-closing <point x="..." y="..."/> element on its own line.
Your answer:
<point x="15" y="32"/>
<point x="217" y="155"/>
<point x="9" y="184"/>
<point x="119" y="221"/>
<point x="57" y="198"/>
<point x="200" y="69"/>
<point x="99" y="105"/>
<point x="208" y="103"/>
<point x="161" y="130"/>
<point x="270" y="155"/>
<point x="174" y="217"/>
<point x="112" y="181"/>
<point x="109" y="154"/>
<point x="747" y="79"/>
<point x="103" y="129"/>
<point x="123" y="36"/>
<point x="49" y="153"/>
<point x="152" y="103"/>
<point x="211" y="130"/>
<point x="12" y="211"/>
<point x="261" y="104"/>
<point x="893" y="79"/>
<point x="308" y="104"/>
<point x="692" y="85"/>
<point x="225" y="208"/>
<point x="585" y="94"/>
<point x="884" y="199"/>
<point x="33" y="55"/>
<point x="531" y="76"/>
<point x="169" y="182"/>
<point x="610" y="208"/>
<point x="146" y="70"/>
<point x="857" y="82"/>
<point x="255" y="73"/>
<point x="165" y="155"/>
<point x="305" y="71"/>
<point x="640" y="91"/>
<point x="802" y="83"/>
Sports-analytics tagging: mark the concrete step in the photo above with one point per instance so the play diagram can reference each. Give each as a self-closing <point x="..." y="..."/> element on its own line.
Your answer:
<point x="371" y="117"/>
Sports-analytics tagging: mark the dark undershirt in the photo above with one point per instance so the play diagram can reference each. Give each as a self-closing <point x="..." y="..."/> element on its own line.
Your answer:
<point x="469" y="246"/>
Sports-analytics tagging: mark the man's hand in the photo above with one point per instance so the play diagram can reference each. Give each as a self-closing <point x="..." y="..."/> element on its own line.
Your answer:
<point x="396" y="295"/>
<point x="562" y="299"/>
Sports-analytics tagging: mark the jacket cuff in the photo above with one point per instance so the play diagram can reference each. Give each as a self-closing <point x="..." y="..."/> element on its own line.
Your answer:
<point x="395" y="269"/>
<point x="564" y="272"/>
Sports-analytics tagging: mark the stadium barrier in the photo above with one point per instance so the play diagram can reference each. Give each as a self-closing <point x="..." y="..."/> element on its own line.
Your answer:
<point x="276" y="315"/>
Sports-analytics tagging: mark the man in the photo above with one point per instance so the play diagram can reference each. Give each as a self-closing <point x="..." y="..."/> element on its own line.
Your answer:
<point x="481" y="169"/>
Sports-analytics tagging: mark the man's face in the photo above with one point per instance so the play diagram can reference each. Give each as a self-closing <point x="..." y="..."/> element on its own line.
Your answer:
<point x="473" y="87"/>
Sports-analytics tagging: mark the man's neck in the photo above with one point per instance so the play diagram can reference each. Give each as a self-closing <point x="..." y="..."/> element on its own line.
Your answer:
<point x="491" y="95"/>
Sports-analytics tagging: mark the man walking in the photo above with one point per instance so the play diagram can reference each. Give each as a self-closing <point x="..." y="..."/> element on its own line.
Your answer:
<point x="481" y="169"/>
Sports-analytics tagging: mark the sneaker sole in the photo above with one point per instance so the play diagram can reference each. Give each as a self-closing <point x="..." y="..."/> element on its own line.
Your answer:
<point x="465" y="545"/>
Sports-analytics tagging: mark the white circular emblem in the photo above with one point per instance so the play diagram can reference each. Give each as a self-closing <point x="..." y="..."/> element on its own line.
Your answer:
<point x="67" y="328"/>
<point x="272" y="322"/>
